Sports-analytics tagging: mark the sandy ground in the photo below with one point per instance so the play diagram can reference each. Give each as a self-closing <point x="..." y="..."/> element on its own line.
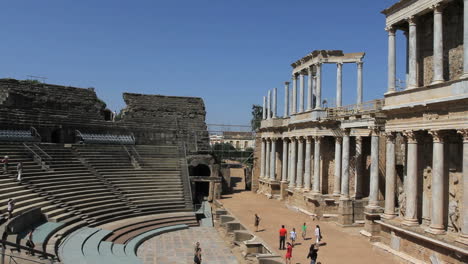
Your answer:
<point x="343" y="245"/>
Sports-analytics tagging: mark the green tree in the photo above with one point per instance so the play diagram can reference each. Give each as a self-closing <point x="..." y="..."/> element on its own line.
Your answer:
<point x="257" y="115"/>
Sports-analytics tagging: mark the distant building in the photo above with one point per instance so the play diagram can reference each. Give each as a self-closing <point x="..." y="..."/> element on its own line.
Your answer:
<point x="239" y="140"/>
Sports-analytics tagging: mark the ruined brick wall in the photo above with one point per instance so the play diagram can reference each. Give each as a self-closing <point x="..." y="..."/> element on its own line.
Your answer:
<point x="452" y="43"/>
<point x="185" y="116"/>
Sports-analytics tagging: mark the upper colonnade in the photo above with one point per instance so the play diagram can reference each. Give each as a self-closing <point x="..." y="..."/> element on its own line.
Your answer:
<point x="310" y="67"/>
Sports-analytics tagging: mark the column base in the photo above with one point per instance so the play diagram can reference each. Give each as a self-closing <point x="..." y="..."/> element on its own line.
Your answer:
<point x="390" y="91"/>
<point x="411" y="87"/>
<point x="464" y="76"/>
<point x="436" y="230"/>
<point x="463" y="239"/>
<point x="437" y="82"/>
<point x="388" y="216"/>
<point x="410" y="222"/>
<point x="336" y="194"/>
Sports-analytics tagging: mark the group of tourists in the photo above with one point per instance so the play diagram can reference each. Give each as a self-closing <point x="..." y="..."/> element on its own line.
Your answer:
<point x="19" y="167"/>
<point x="283" y="232"/>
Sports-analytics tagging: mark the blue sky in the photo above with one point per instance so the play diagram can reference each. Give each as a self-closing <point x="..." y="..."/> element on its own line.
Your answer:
<point x="227" y="52"/>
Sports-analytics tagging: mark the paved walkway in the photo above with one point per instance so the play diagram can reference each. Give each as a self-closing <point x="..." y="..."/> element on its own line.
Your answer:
<point x="178" y="247"/>
<point x="344" y="245"/>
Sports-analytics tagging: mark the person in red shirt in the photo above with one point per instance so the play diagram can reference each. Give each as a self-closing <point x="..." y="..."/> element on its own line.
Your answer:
<point x="289" y="253"/>
<point x="282" y="233"/>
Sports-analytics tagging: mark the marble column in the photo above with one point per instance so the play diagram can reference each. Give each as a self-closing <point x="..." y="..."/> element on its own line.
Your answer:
<point x="465" y="39"/>
<point x="294" y="95"/>
<point x="274" y="103"/>
<point x="359" y="82"/>
<point x="300" y="162"/>
<point x="292" y="173"/>
<point x="412" y="54"/>
<point x="411" y="184"/>
<point x="286" y="99"/>
<point x="284" y="165"/>
<point x="310" y="94"/>
<point x="374" y="170"/>
<point x="339" y="81"/>
<point x="267" y="159"/>
<point x="314" y="92"/>
<point x="390" y="177"/>
<point x="345" y="167"/>
<point x="318" y="92"/>
<point x="264" y="108"/>
<point x="438" y="183"/>
<point x="316" y="181"/>
<point x="301" y="92"/>
<point x="273" y="160"/>
<point x="262" y="160"/>
<point x="337" y="184"/>
<point x="438" y="58"/>
<point x="269" y="105"/>
<point x="358" y="169"/>
<point x="391" y="60"/>
<point x="289" y="159"/>
<point x="464" y="210"/>
<point x="308" y="154"/>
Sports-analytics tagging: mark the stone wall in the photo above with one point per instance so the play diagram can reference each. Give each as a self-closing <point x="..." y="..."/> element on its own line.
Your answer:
<point x="256" y="163"/>
<point x="453" y="43"/>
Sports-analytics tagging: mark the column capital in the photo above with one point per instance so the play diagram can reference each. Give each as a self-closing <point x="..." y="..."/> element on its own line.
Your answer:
<point x="359" y="64"/>
<point x="287" y="83"/>
<point x="273" y="139"/>
<point x="318" y="64"/>
<point x="300" y="138"/>
<point x="339" y="64"/>
<point x="346" y="131"/>
<point x="285" y="139"/>
<point x="390" y="136"/>
<point x="437" y="135"/>
<point x="294" y="76"/>
<point x="293" y="138"/>
<point x="412" y="20"/>
<point x="308" y="139"/>
<point x="375" y="131"/>
<point x="318" y="138"/>
<point x="310" y="69"/>
<point x="411" y="136"/>
<point x="438" y="7"/>
<point x="338" y="140"/>
<point x="391" y="30"/>
<point x="464" y="133"/>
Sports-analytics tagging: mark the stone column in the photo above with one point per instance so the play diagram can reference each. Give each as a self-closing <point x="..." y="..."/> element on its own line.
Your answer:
<point x="390" y="177"/>
<point x="391" y="60"/>
<point x="411" y="184"/>
<point x="294" y="95"/>
<point x="438" y="58"/>
<point x="345" y="167"/>
<point x="286" y="99"/>
<point x="465" y="39"/>
<point x="337" y="184"/>
<point x="284" y="166"/>
<point x="308" y="154"/>
<point x="339" y="86"/>
<point x="316" y="181"/>
<point x="292" y="173"/>
<point x="264" y="114"/>
<point x="359" y="82"/>
<point x="437" y="210"/>
<point x="274" y="103"/>
<point x="300" y="162"/>
<point x="412" y="54"/>
<point x="318" y="84"/>
<point x="269" y="105"/>
<point x="309" y="89"/>
<point x="374" y="170"/>
<point x="301" y="93"/>
<point x="464" y="210"/>
<point x="267" y="159"/>
<point x="262" y="160"/>
<point x="314" y="92"/>
<point x="273" y="160"/>
<point x="358" y="169"/>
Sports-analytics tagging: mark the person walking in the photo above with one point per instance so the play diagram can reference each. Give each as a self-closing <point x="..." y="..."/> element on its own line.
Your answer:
<point x="19" y="169"/>
<point x="292" y="235"/>
<point x="197" y="258"/>
<point x="257" y="222"/>
<point x="282" y="233"/>
<point x="304" y="231"/>
<point x="313" y="253"/>
<point x="30" y="244"/>
<point x="10" y="208"/>
<point x="289" y="253"/>
<point x="318" y="234"/>
<point x="5" y="164"/>
<point x="197" y="247"/>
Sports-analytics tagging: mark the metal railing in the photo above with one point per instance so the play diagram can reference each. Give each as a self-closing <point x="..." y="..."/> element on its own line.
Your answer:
<point x="34" y="133"/>
<point x="42" y="151"/>
<point x="13" y="259"/>
<point x="37" y="157"/>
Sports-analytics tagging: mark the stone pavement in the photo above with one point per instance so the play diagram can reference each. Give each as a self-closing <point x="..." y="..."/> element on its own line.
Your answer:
<point x="178" y="247"/>
<point x="344" y="245"/>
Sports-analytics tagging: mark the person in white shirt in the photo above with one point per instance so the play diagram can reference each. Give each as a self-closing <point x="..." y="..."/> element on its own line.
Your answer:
<point x="318" y="234"/>
<point x="292" y="235"/>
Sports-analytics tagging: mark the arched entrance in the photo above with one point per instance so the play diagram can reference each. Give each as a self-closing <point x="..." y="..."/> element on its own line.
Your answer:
<point x="200" y="185"/>
<point x="56" y="136"/>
